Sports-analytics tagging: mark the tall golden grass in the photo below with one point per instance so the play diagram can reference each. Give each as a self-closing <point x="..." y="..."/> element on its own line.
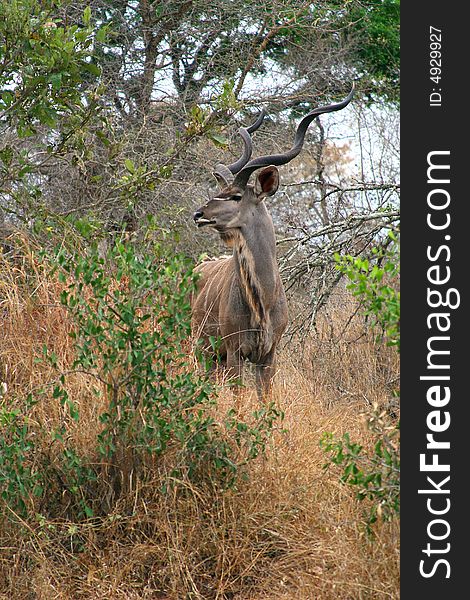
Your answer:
<point x="291" y="531"/>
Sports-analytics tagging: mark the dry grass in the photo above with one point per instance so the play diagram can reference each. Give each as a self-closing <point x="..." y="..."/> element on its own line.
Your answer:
<point x="292" y="531"/>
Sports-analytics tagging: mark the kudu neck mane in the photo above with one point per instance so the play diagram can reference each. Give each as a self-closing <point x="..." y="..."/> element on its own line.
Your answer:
<point x="254" y="253"/>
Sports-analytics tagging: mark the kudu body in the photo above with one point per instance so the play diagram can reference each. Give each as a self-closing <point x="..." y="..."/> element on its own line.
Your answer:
<point x="241" y="298"/>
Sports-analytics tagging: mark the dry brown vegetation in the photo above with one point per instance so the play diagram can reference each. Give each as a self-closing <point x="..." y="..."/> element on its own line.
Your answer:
<point x="291" y="531"/>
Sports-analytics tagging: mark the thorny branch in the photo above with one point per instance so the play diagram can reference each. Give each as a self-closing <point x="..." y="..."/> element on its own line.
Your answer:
<point x="307" y="265"/>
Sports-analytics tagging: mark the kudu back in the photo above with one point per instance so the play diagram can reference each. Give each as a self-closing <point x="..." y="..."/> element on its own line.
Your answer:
<point x="240" y="298"/>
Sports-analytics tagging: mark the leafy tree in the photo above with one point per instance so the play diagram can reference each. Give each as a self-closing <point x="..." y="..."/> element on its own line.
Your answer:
<point x="182" y="52"/>
<point x="376" y="25"/>
<point x="43" y="65"/>
<point x="329" y="42"/>
<point x="119" y="109"/>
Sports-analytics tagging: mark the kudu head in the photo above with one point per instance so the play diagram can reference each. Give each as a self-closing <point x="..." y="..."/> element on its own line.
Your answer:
<point x="237" y="202"/>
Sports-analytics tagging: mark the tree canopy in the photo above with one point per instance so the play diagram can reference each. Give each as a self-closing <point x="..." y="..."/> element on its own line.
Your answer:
<point x="116" y="110"/>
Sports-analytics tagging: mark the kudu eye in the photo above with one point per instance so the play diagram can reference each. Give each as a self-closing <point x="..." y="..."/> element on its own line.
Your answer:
<point x="236" y="197"/>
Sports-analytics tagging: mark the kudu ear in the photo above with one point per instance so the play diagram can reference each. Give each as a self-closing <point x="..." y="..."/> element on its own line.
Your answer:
<point x="267" y="182"/>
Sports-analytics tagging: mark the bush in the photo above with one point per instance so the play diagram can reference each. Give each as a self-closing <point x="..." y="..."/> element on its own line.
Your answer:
<point x="375" y="475"/>
<point x="18" y="478"/>
<point x="371" y="284"/>
<point x="129" y="319"/>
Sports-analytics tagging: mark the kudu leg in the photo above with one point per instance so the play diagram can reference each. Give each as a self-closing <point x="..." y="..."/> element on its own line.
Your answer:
<point x="234" y="369"/>
<point x="265" y="372"/>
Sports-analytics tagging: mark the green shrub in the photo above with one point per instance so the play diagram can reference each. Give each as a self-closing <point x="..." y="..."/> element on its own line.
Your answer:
<point x="129" y="318"/>
<point x="375" y="475"/>
<point x="370" y="283"/>
<point x="18" y="478"/>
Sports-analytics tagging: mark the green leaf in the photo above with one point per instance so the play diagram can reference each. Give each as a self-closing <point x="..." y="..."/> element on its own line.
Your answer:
<point x="218" y="139"/>
<point x="129" y="166"/>
<point x="92" y="68"/>
<point x="102" y="34"/>
<point x="56" y="80"/>
<point x="87" y="16"/>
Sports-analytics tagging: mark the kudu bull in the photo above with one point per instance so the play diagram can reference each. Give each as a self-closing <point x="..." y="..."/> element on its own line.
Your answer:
<point x="240" y="299"/>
